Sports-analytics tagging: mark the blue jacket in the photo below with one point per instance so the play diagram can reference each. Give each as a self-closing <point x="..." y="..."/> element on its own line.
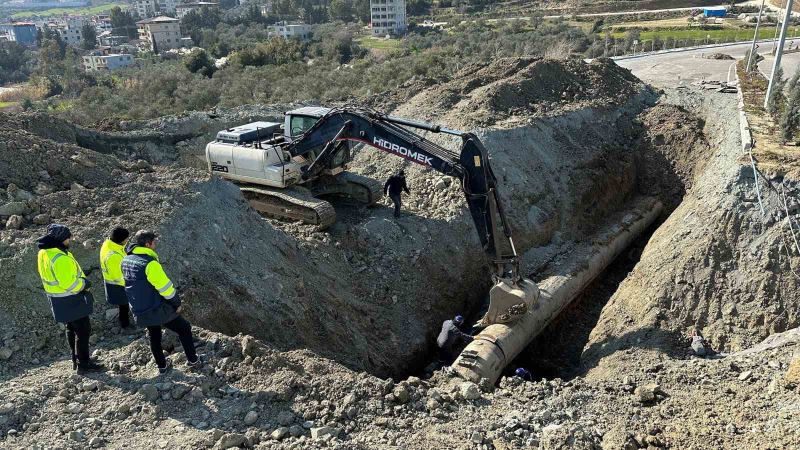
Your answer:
<point x="151" y="305"/>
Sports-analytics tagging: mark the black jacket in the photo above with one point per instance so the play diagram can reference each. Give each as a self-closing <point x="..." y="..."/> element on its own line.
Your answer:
<point x="451" y="336"/>
<point x="395" y="185"/>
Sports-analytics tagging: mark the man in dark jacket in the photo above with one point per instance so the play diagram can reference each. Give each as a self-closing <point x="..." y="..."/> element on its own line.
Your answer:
<point x="153" y="299"/>
<point x="394" y="187"/>
<point x="66" y="288"/>
<point x="452" y="340"/>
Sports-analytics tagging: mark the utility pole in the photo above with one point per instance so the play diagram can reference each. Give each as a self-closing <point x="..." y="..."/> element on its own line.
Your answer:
<point x="779" y="51"/>
<point x="755" y="37"/>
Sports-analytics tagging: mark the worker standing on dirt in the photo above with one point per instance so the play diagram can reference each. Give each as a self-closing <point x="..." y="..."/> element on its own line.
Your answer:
<point x="452" y="340"/>
<point x="111" y="254"/>
<point x="394" y="187"/>
<point x="153" y="299"/>
<point x="66" y="288"/>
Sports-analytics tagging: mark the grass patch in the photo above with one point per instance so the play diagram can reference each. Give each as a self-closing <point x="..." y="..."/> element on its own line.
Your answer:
<point x="86" y="10"/>
<point x="378" y="43"/>
<point x="725" y="35"/>
<point x="4" y="105"/>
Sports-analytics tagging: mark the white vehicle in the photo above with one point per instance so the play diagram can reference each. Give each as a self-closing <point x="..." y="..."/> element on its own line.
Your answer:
<point x="255" y="156"/>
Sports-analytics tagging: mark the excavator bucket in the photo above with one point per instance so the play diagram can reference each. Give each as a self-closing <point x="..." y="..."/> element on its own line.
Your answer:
<point x="508" y="301"/>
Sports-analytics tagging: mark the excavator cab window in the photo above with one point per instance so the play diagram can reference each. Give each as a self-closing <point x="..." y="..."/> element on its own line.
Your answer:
<point x="301" y="124"/>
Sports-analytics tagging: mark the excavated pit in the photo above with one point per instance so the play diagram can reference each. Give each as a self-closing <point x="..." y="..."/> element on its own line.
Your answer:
<point x="372" y="292"/>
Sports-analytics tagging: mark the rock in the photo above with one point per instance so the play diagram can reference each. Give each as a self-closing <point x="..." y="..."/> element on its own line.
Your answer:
<point x="469" y="390"/>
<point x="250" y="418"/>
<point x="792" y="376"/>
<point x="249" y="346"/>
<point x="279" y="433"/>
<point x="476" y="437"/>
<point x="296" y="430"/>
<point x="5" y="353"/>
<point x="699" y="345"/>
<point x="77" y="187"/>
<point x="14" y="222"/>
<point x="43" y="189"/>
<point x="440" y="185"/>
<point x="744" y="376"/>
<point x="96" y="442"/>
<point x="41" y="219"/>
<point x="285" y="418"/>
<point x="432" y="404"/>
<point x="231" y="440"/>
<point x="647" y="393"/>
<point x="83" y="159"/>
<point x="180" y="391"/>
<point x="149" y="392"/>
<point x="323" y="432"/>
<point x="308" y="424"/>
<point x="88" y="386"/>
<point x="6" y="408"/>
<point x="112" y="314"/>
<point x="13" y="209"/>
<point x="74" y="408"/>
<point x="76" y="436"/>
<point x="401" y="393"/>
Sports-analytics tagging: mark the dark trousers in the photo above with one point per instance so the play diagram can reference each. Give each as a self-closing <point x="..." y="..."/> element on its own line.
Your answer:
<point x="78" y="333"/>
<point x="124" y="315"/>
<point x="183" y="329"/>
<point x="397" y="203"/>
<point x="446" y="355"/>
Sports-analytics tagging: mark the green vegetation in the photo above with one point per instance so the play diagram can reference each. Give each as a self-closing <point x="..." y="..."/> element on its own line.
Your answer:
<point x="378" y="43"/>
<point x="16" y="62"/>
<point x="4" y="105"/>
<point x="88" y="10"/>
<point x="723" y="35"/>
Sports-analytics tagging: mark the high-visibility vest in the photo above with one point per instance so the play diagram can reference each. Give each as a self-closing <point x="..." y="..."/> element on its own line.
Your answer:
<point x="145" y="280"/>
<point x="61" y="274"/>
<point x="111" y="255"/>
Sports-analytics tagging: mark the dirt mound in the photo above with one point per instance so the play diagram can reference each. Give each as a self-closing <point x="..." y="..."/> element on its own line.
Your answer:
<point x="516" y="90"/>
<point x="719" y="56"/>
<point x="713" y="266"/>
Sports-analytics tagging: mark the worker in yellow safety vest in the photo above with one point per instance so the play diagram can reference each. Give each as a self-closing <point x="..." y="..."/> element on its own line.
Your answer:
<point x="66" y="288"/>
<point x="111" y="254"/>
<point x="154" y="300"/>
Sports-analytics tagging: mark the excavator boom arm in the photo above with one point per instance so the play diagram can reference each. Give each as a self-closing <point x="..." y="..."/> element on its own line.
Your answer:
<point x="390" y="134"/>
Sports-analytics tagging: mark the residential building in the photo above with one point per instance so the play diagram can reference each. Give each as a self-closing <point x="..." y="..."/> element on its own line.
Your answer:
<point x="160" y="33"/>
<point x="146" y="8"/>
<point x="107" y="39"/>
<point x="185" y="8"/>
<point x="101" y="62"/>
<point x="286" y="30"/>
<point x="388" y="17"/>
<point x="23" y="33"/>
<point x="70" y="31"/>
<point x="168" y="7"/>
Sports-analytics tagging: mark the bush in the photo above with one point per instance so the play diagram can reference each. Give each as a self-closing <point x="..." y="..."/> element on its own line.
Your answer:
<point x="198" y="62"/>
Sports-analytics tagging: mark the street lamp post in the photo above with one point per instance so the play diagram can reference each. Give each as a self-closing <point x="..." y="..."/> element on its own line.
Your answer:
<point x="755" y="37"/>
<point x="779" y="50"/>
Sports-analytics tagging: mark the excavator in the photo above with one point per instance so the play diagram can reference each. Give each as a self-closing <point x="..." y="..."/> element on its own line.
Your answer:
<point x="309" y="156"/>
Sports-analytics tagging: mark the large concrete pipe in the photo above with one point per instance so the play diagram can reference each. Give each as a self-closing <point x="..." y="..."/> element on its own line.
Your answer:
<point x="497" y="345"/>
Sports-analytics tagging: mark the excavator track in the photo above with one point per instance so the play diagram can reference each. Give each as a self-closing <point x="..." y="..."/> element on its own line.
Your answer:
<point x="290" y="204"/>
<point x="355" y="188"/>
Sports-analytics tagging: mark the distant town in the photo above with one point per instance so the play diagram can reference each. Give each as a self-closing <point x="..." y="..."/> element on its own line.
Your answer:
<point x="156" y="27"/>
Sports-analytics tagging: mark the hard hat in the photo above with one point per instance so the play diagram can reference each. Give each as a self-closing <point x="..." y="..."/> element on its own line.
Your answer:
<point x="520" y="372"/>
<point x="458" y="320"/>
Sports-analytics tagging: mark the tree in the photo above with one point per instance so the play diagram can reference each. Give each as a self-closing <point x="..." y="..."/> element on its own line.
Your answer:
<point x="88" y="37"/>
<point x="14" y="62"/>
<point x="776" y="96"/>
<point x="198" y="62"/>
<point x="361" y="10"/>
<point x="197" y="20"/>
<point x="341" y="10"/>
<point x="418" y="7"/>
<point x="122" y="23"/>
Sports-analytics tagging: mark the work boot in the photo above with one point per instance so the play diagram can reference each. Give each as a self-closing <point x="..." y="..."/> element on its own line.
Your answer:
<point x="166" y="369"/>
<point x="197" y="363"/>
<point x="90" y="367"/>
<point x="74" y="362"/>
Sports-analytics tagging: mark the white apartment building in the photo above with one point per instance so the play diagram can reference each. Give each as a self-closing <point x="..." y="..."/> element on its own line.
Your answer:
<point x="185" y="8"/>
<point x="388" y="17"/>
<point x="152" y="8"/>
<point x="160" y="33"/>
<point x="70" y="30"/>
<point x="285" y="30"/>
<point x="96" y="63"/>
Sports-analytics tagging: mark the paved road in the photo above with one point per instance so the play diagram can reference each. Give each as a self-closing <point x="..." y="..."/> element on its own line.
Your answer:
<point x="672" y="69"/>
